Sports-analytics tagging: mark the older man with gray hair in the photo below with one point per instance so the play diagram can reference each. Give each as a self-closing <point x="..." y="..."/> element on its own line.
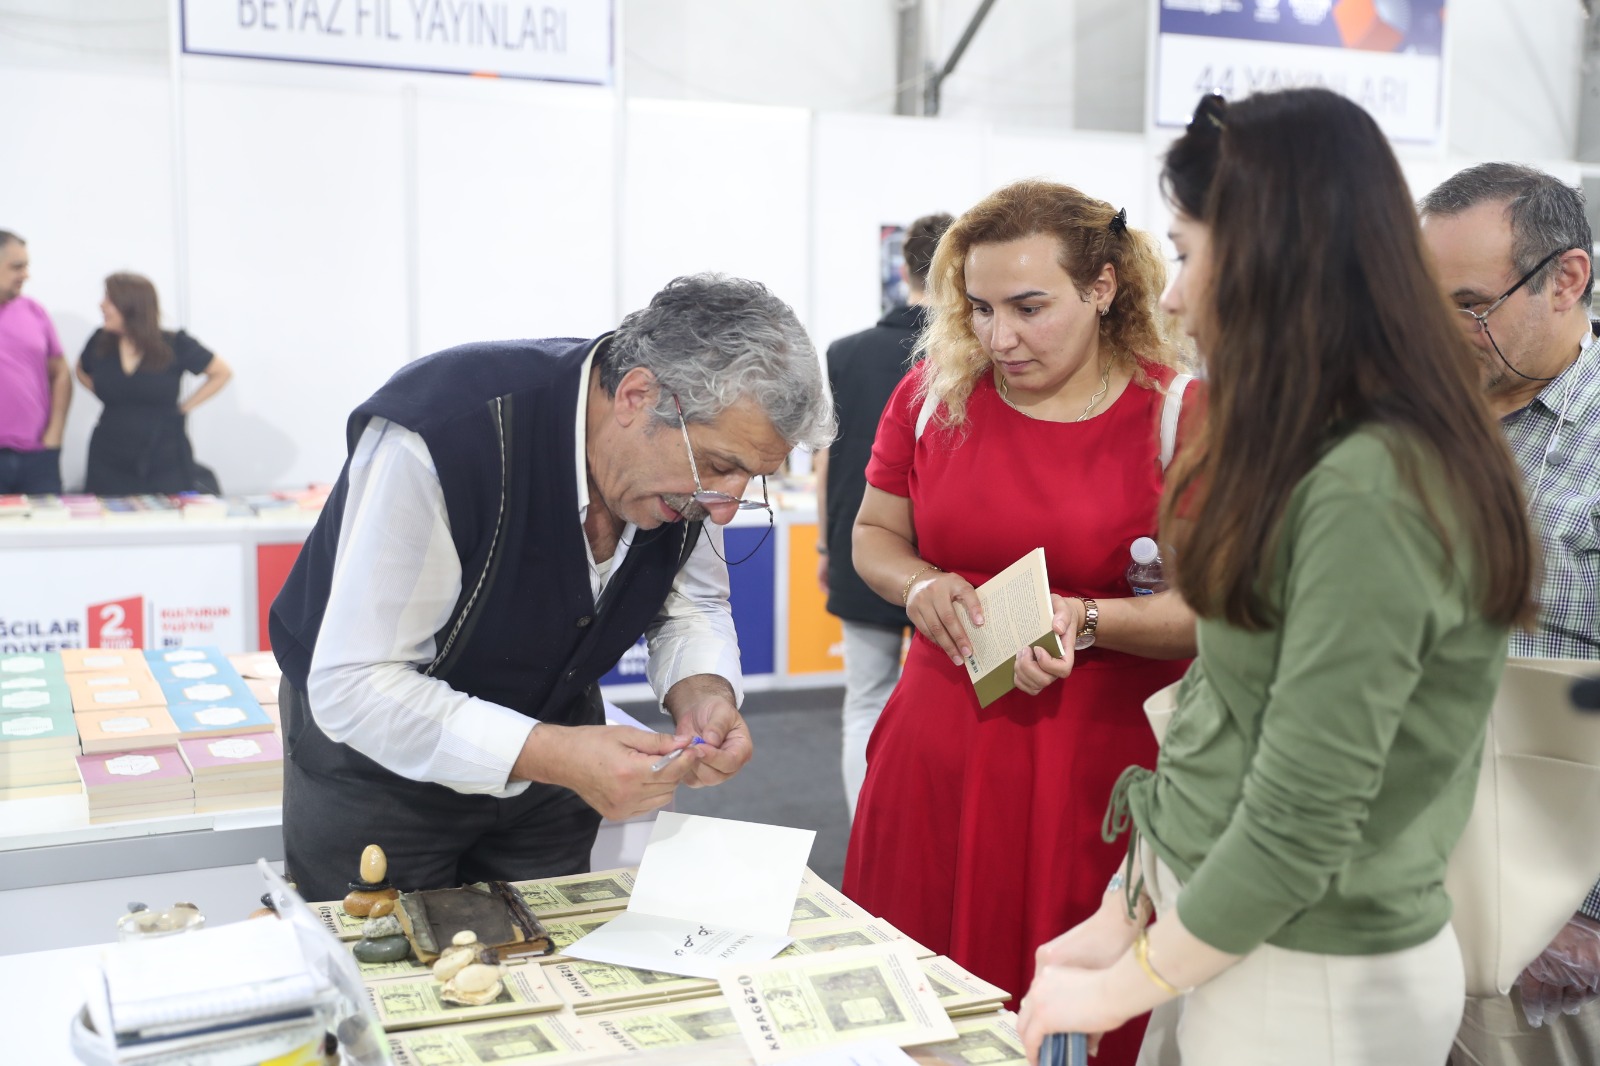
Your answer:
<point x="512" y="515"/>
<point x="1512" y="247"/>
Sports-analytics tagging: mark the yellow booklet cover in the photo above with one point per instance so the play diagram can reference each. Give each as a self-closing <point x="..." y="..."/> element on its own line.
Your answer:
<point x="1016" y="614"/>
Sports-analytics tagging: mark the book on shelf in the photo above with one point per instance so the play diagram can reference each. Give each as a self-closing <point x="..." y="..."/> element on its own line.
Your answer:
<point x="115" y="690"/>
<point x="131" y="729"/>
<point x="154" y="773"/>
<point x="100" y="660"/>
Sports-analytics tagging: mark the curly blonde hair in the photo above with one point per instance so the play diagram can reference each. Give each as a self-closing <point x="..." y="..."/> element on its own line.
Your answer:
<point x="1132" y="330"/>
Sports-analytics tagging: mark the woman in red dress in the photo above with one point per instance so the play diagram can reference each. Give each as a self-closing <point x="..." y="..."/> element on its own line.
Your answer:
<point x="978" y="829"/>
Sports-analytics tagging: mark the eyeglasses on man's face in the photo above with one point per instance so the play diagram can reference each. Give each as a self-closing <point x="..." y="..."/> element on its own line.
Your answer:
<point x="1478" y="322"/>
<point x="712" y="498"/>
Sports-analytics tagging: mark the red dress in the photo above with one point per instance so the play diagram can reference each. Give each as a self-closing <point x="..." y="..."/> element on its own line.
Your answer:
<point x="978" y="829"/>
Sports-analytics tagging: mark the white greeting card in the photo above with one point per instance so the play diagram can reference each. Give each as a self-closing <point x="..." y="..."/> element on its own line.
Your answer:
<point x="709" y="892"/>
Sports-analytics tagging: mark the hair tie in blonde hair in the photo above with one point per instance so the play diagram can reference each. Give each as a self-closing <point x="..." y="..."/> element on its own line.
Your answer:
<point x="1119" y="223"/>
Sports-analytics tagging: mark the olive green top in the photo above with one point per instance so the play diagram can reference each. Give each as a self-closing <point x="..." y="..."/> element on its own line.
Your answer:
<point x="1316" y="775"/>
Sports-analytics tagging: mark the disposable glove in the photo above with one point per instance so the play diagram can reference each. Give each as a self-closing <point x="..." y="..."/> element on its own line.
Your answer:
<point x="1565" y="976"/>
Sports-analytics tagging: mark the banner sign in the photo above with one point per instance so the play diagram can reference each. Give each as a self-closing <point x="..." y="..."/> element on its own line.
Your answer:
<point x="559" y="40"/>
<point x="133" y="597"/>
<point x="1386" y="55"/>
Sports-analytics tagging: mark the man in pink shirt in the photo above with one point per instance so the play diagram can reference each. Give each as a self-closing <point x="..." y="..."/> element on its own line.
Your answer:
<point x="35" y="382"/>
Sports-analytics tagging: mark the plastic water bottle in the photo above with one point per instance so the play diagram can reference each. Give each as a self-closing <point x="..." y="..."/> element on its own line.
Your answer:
<point x="1144" y="573"/>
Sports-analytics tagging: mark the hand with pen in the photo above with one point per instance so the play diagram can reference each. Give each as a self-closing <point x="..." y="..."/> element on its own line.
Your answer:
<point x="710" y="731"/>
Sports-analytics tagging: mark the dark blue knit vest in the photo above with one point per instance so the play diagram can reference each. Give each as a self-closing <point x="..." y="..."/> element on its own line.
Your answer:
<point x="526" y="633"/>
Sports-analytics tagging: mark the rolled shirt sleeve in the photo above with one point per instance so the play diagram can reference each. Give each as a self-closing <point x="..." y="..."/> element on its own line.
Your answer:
<point x="396" y="581"/>
<point x="1357" y="625"/>
<point x="694" y="632"/>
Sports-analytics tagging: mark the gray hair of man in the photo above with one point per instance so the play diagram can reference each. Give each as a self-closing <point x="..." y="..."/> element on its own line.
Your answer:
<point x="1544" y="212"/>
<point x="711" y="341"/>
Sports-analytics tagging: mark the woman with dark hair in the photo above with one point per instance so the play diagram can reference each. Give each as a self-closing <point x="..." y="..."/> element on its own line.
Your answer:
<point x="135" y="368"/>
<point x="1033" y="420"/>
<point x="1351" y="535"/>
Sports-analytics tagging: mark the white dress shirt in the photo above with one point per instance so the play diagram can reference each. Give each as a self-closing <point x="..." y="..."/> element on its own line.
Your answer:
<point x="396" y="580"/>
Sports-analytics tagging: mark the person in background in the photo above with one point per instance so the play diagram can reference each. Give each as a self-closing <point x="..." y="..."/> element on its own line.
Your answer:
<point x="136" y="369"/>
<point x="512" y="516"/>
<point x="978" y="830"/>
<point x="1350" y="532"/>
<point x="863" y="370"/>
<point x="35" y="382"/>
<point x="1511" y="246"/>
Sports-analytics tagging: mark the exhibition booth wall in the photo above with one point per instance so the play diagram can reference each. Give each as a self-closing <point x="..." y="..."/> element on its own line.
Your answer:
<point x="318" y="227"/>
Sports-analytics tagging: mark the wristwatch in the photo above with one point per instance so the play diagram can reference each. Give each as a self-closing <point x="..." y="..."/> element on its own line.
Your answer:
<point x="1091" y="621"/>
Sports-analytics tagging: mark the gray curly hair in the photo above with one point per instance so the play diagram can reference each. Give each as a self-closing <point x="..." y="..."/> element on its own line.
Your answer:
<point x="712" y="340"/>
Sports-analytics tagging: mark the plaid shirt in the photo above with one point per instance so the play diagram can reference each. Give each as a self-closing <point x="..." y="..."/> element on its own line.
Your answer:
<point x="1564" y="498"/>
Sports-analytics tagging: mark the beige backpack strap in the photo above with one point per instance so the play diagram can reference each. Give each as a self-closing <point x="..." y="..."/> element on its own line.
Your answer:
<point x="1171" y="409"/>
<point x="930" y="404"/>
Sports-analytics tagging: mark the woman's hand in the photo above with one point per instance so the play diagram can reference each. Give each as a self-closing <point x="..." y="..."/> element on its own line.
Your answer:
<point x="1036" y="668"/>
<point x="1064" y="999"/>
<point x="931" y="605"/>
<point x="1094" y="943"/>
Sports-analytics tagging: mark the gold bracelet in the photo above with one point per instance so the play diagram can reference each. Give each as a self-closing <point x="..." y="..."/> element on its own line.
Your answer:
<point x="905" y="593"/>
<point x="1141" y="952"/>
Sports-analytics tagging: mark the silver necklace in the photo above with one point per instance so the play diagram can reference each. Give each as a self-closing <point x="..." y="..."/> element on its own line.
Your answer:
<point x="1105" y="383"/>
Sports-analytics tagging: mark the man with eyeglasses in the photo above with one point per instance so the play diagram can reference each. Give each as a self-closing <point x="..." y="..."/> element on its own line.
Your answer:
<point x="512" y="516"/>
<point x="1512" y="246"/>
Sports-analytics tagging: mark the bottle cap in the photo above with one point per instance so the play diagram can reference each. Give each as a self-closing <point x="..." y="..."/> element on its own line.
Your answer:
<point x="1144" y="550"/>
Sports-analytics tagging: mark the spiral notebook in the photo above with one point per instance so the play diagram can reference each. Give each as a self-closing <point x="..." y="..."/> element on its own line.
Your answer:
<point x="248" y="969"/>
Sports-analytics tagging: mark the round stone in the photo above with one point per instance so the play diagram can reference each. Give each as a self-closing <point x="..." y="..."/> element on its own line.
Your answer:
<point x="359" y="904"/>
<point x="383" y="949"/>
<point x="380" y="908"/>
<point x="374" y="865"/>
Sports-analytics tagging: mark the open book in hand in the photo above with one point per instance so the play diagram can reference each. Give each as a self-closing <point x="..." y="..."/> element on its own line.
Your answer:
<point x="1016" y="614"/>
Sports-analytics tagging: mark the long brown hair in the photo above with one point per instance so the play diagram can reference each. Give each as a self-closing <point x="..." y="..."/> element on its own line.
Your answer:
<point x="134" y="297"/>
<point x="1323" y="315"/>
<point x="1083" y="228"/>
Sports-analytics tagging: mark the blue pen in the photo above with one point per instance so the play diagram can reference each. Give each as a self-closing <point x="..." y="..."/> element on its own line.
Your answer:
<point x="661" y="763"/>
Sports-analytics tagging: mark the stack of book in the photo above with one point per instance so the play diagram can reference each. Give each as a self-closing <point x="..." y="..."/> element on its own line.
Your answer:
<point x="37" y="753"/>
<point x="141" y="508"/>
<point x="205" y="694"/>
<point x="83" y="507"/>
<point x="136" y="784"/>
<point x="232" y="773"/>
<point x="14" y="506"/>
<point x="38" y="738"/>
<point x="201" y="505"/>
<point x="47" y="509"/>
<point x="261" y="675"/>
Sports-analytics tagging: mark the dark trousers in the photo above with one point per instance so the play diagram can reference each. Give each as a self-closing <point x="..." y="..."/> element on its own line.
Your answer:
<point x="433" y="836"/>
<point x="35" y="473"/>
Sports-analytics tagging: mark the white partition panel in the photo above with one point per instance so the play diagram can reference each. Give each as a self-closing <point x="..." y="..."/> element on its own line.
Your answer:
<point x="872" y="171"/>
<point x="87" y="181"/>
<point x="715" y="187"/>
<point x="515" y="206"/>
<point x="297" y="266"/>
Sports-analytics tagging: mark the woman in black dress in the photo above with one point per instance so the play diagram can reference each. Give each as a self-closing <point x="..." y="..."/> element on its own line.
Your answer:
<point x="135" y="368"/>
